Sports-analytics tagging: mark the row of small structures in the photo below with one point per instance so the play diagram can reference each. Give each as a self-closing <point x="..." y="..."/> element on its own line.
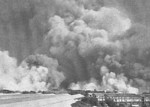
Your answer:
<point x="101" y="97"/>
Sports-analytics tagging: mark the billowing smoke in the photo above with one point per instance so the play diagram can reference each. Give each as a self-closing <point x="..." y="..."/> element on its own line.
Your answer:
<point x="39" y="73"/>
<point x="110" y="82"/>
<point x="77" y="44"/>
<point x="86" y="39"/>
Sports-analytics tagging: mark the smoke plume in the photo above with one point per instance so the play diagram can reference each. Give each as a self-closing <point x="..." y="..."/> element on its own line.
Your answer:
<point x="77" y="44"/>
<point x="40" y="76"/>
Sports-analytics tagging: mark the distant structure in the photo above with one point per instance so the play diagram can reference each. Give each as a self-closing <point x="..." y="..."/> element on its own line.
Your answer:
<point x="114" y="99"/>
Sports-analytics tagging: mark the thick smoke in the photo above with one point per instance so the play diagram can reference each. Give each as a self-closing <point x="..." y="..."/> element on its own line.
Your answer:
<point x="39" y="73"/>
<point x="78" y="44"/>
<point x="86" y="39"/>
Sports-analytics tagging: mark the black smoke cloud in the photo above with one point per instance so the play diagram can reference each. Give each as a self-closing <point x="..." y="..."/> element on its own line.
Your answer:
<point x="42" y="27"/>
